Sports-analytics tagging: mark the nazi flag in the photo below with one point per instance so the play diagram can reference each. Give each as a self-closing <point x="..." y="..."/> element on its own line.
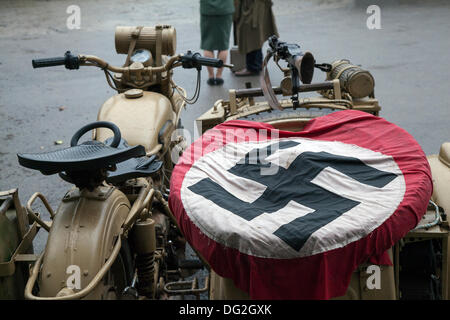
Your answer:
<point x="294" y="206"/>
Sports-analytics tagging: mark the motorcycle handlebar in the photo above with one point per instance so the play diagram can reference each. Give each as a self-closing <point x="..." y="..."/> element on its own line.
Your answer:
<point x="188" y="60"/>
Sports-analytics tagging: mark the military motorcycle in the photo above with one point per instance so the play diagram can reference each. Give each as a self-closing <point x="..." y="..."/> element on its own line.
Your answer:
<point x="112" y="236"/>
<point x="420" y="259"/>
<point x="115" y="228"/>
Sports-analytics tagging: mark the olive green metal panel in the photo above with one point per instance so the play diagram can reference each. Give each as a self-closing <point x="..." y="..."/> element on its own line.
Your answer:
<point x="9" y="240"/>
<point x="11" y="287"/>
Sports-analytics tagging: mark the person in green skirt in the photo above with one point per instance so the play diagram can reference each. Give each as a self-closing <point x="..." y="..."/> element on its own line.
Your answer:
<point x="216" y="18"/>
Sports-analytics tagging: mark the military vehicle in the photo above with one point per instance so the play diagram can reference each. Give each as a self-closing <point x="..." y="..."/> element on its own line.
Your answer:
<point x="114" y="235"/>
<point x="420" y="259"/>
<point x="111" y="236"/>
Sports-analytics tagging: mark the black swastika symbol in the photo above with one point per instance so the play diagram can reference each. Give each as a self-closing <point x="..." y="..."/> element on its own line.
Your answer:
<point x="293" y="184"/>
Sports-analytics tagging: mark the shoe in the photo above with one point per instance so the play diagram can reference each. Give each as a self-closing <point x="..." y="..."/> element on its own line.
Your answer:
<point x="211" y="81"/>
<point x="219" y="81"/>
<point x="245" y="73"/>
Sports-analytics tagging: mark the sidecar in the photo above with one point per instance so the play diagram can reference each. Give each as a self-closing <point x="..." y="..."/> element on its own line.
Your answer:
<point x="417" y="264"/>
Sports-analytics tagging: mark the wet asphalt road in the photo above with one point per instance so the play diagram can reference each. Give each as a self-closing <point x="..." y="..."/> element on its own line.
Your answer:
<point x="408" y="58"/>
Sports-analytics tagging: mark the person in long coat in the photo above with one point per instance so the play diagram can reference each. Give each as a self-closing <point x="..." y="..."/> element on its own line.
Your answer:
<point x="216" y="18"/>
<point x="254" y="24"/>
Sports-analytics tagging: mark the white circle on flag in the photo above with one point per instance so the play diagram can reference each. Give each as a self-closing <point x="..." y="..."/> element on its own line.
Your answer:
<point x="256" y="237"/>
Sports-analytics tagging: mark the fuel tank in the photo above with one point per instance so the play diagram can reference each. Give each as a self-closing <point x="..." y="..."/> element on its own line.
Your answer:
<point x="142" y="116"/>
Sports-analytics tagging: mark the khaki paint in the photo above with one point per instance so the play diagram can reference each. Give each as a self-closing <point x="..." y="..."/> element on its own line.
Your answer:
<point x="83" y="233"/>
<point x="139" y="119"/>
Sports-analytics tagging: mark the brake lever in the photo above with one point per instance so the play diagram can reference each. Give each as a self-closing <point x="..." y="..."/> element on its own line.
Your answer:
<point x="231" y="66"/>
<point x="325" y="67"/>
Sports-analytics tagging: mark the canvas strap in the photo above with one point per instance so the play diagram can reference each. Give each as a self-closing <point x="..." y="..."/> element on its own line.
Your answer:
<point x="159" y="30"/>
<point x="134" y="37"/>
<point x="266" y="86"/>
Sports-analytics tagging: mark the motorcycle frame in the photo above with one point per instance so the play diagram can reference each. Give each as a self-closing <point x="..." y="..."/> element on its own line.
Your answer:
<point x="106" y="227"/>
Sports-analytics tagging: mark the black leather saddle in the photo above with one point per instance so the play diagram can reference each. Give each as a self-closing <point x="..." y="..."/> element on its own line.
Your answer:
<point x="115" y="156"/>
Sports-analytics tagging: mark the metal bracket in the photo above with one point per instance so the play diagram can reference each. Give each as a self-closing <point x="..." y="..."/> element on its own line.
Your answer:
<point x="100" y="193"/>
<point x="186" y="287"/>
<point x="233" y="108"/>
<point x="9" y="268"/>
<point x="337" y="89"/>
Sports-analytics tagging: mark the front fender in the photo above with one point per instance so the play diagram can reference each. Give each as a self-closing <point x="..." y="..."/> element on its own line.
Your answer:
<point x="83" y="234"/>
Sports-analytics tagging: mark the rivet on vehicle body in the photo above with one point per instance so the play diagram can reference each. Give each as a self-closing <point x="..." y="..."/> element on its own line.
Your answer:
<point x="85" y="273"/>
<point x="49" y="275"/>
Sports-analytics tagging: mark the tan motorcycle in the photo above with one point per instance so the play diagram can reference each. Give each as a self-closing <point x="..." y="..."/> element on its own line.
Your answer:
<point x="112" y="236"/>
<point x="121" y="208"/>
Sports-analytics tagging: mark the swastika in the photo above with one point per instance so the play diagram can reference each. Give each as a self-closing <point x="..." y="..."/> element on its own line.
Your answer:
<point x="293" y="184"/>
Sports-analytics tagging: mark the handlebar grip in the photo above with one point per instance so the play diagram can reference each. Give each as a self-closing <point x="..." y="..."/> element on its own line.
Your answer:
<point x="195" y="60"/>
<point x="69" y="60"/>
<point x="49" y="62"/>
<point x="209" y="62"/>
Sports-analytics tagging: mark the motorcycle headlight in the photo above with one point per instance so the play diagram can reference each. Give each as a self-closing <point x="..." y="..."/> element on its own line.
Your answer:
<point x="143" y="56"/>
